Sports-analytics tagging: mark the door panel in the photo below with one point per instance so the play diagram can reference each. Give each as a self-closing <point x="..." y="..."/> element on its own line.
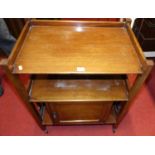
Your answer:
<point x="79" y="112"/>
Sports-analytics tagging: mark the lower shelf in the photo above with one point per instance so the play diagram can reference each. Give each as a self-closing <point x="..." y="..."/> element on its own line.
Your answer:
<point x="44" y="90"/>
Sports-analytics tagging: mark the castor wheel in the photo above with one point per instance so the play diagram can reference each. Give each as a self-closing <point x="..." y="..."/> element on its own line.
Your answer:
<point x="114" y="128"/>
<point x="1" y="90"/>
<point x="46" y="130"/>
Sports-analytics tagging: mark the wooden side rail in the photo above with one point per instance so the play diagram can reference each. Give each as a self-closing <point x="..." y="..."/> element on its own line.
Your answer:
<point x="135" y="89"/>
<point x="21" y="91"/>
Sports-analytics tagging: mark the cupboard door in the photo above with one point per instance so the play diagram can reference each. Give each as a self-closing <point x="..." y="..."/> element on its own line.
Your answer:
<point x="80" y="113"/>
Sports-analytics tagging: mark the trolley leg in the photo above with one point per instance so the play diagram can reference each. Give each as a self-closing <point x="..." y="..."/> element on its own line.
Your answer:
<point x="18" y="85"/>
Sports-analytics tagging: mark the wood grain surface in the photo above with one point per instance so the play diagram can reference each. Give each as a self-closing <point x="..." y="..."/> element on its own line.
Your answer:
<point x="80" y="113"/>
<point x="78" y="90"/>
<point x="62" y="49"/>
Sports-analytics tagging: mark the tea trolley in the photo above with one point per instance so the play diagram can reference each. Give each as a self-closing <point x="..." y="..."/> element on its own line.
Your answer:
<point x="80" y="71"/>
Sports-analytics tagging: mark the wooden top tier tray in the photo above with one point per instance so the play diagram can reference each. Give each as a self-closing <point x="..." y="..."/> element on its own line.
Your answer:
<point x="76" y="47"/>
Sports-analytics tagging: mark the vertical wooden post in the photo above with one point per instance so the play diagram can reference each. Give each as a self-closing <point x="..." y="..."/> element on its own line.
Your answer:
<point x="134" y="90"/>
<point x="21" y="91"/>
<point x="128" y="21"/>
